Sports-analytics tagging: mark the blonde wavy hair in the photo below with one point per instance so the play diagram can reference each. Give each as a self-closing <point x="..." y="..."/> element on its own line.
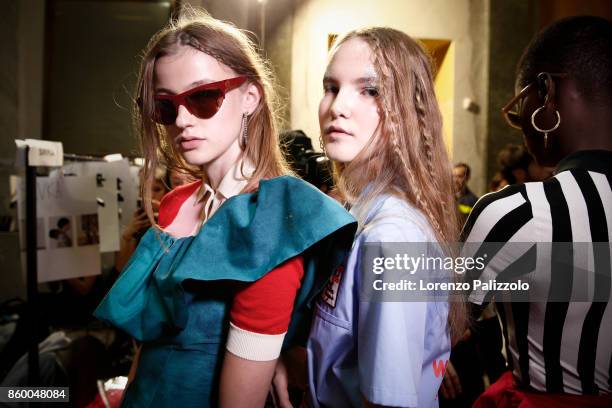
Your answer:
<point x="231" y="46"/>
<point x="408" y="157"/>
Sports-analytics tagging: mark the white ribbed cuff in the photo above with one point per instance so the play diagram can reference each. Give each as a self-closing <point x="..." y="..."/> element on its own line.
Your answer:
<point x="254" y="346"/>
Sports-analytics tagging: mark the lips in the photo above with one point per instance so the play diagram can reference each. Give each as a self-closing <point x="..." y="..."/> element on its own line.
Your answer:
<point x="189" y="143"/>
<point x="335" y="130"/>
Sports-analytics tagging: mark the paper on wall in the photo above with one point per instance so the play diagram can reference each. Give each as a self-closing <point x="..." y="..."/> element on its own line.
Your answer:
<point x="117" y="196"/>
<point x="41" y="153"/>
<point x="68" y="235"/>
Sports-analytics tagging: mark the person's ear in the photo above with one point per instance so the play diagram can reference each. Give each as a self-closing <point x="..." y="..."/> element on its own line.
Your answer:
<point x="251" y="98"/>
<point x="547" y="90"/>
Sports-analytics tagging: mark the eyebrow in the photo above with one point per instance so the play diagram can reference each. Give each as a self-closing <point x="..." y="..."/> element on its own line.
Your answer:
<point x="358" y="81"/>
<point x="190" y="86"/>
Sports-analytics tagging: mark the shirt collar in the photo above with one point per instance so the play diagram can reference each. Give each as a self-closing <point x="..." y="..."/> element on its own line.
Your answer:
<point x="599" y="161"/>
<point x="234" y="181"/>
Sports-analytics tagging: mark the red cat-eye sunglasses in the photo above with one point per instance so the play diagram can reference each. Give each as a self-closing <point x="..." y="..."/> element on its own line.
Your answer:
<point x="202" y="101"/>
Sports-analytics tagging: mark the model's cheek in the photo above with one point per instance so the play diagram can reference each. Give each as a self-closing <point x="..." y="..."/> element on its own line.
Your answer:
<point x="371" y="122"/>
<point x="233" y="103"/>
<point x="324" y="106"/>
<point x="375" y="112"/>
<point x="368" y="113"/>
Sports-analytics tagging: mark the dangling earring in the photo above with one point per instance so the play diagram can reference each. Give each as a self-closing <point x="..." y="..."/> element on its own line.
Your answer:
<point x="245" y="129"/>
<point x="322" y="145"/>
<point x="545" y="131"/>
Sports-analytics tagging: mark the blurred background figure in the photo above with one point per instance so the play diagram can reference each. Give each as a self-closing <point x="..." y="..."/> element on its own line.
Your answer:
<point x="517" y="165"/>
<point x="497" y="182"/>
<point x="464" y="196"/>
<point x="140" y="223"/>
<point x="514" y="161"/>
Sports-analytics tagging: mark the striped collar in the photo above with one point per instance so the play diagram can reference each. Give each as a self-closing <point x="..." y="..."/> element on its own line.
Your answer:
<point x="599" y="161"/>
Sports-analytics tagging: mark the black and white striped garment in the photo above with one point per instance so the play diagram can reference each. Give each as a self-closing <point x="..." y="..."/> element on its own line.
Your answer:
<point x="554" y="346"/>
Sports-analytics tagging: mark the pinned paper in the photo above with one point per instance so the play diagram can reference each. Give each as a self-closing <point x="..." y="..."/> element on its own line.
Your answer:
<point x="41" y="153"/>
<point x="68" y="232"/>
<point x="115" y="193"/>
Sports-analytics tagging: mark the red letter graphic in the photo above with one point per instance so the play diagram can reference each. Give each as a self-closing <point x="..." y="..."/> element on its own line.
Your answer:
<point x="439" y="367"/>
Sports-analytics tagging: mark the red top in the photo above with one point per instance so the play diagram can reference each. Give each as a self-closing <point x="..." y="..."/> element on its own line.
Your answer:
<point x="261" y="311"/>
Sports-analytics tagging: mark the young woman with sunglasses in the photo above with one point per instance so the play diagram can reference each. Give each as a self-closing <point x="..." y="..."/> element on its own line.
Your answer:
<point x="224" y="280"/>
<point x="381" y="125"/>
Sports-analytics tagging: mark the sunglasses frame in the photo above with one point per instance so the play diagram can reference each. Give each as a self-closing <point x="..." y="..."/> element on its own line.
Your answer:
<point x="507" y="109"/>
<point x="182" y="99"/>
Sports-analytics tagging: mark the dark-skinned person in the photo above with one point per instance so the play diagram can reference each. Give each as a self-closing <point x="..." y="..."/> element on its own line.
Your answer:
<point x="554" y="234"/>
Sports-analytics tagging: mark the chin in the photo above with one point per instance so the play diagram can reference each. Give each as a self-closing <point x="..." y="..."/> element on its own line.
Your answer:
<point x="340" y="158"/>
<point x="196" y="158"/>
<point x="339" y="154"/>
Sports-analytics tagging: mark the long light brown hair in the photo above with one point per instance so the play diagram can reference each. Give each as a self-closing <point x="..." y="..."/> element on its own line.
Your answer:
<point x="232" y="47"/>
<point x="407" y="158"/>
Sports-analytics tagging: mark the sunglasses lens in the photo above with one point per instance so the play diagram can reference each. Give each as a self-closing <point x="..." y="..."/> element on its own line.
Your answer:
<point x="165" y="112"/>
<point x="204" y="104"/>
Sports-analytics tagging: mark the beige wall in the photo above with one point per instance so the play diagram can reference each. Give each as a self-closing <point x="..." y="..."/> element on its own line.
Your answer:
<point x="464" y="22"/>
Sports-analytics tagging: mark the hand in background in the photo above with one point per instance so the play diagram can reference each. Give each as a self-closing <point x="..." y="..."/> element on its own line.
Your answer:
<point x="136" y="228"/>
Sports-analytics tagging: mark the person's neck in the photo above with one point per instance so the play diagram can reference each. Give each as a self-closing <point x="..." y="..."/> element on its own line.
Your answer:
<point x="594" y="132"/>
<point x="590" y="139"/>
<point x="217" y="169"/>
<point x="599" y="142"/>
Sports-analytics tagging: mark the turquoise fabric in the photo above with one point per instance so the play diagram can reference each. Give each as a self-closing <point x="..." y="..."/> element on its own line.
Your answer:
<point x="175" y="293"/>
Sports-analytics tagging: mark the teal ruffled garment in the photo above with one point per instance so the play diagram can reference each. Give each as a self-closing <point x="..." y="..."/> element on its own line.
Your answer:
<point x="175" y="293"/>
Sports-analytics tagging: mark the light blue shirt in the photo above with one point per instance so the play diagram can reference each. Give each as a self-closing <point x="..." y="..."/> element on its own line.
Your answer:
<point x="391" y="353"/>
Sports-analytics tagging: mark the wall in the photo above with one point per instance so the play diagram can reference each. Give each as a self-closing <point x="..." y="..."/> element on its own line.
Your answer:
<point x="8" y="74"/>
<point x="509" y="36"/>
<point x="553" y="10"/>
<point x="21" y="72"/>
<point x="9" y="94"/>
<point x="93" y="57"/>
<point x="279" y="45"/>
<point x="31" y="68"/>
<point x="236" y="11"/>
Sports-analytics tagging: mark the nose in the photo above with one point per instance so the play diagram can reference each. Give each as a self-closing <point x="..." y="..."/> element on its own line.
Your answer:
<point x="183" y="117"/>
<point x="341" y="105"/>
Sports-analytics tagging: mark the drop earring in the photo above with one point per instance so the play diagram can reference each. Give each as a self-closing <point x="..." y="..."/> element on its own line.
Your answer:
<point x="245" y="129"/>
<point x="545" y="131"/>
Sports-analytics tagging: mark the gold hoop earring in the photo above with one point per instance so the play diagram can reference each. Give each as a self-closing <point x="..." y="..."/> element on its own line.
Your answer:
<point x="245" y="129"/>
<point x="545" y="131"/>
